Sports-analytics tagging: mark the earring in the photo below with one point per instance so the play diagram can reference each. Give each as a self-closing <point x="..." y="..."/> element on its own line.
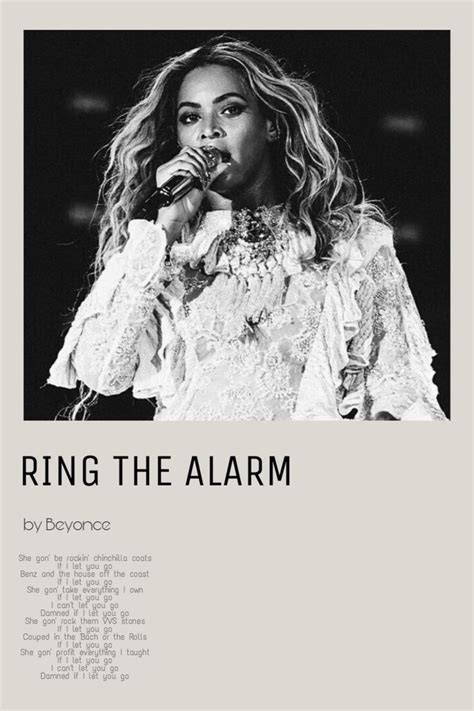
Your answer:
<point x="275" y="133"/>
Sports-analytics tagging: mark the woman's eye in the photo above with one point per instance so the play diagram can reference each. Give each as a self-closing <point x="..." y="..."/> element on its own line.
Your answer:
<point x="233" y="110"/>
<point x="188" y="118"/>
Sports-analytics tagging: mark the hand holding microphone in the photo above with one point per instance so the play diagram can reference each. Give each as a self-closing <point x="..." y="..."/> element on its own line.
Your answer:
<point x="181" y="184"/>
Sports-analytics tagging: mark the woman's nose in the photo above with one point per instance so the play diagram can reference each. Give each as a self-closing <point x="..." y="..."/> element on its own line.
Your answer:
<point x="211" y="129"/>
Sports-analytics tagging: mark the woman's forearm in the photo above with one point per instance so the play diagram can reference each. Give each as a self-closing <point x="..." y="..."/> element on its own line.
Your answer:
<point x="101" y="348"/>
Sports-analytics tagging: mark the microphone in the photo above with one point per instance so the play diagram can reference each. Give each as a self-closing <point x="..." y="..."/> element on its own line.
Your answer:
<point x="178" y="186"/>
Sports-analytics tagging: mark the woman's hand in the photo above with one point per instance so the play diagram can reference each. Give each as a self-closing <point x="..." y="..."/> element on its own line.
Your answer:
<point x="189" y="161"/>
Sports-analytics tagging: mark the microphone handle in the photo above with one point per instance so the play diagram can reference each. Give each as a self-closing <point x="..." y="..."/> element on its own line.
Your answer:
<point x="173" y="189"/>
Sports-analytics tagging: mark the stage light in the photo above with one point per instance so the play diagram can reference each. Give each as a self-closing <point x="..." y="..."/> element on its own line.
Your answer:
<point x="403" y="124"/>
<point x="89" y="103"/>
<point x="83" y="214"/>
<point x="409" y="232"/>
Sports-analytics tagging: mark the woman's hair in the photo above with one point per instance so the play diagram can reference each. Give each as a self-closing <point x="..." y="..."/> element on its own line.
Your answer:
<point x="318" y="189"/>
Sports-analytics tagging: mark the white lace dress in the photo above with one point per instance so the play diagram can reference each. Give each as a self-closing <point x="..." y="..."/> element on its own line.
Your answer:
<point x="233" y="327"/>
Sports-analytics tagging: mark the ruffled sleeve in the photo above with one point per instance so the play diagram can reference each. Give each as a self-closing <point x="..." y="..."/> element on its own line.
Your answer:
<point x="399" y="376"/>
<point x="387" y="372"/>
<point x="371" y="357"/>
<point x="120" y="331"/>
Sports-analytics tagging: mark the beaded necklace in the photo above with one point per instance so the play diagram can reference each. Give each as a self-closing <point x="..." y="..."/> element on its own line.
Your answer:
<point x="257" y="234"/>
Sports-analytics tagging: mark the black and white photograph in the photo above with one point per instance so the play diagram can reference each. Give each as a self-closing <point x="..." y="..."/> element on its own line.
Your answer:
<point x="237" y="225"/>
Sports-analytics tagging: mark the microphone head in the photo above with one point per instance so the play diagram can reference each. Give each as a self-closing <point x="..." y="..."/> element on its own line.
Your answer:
<point x="215" y="156"/>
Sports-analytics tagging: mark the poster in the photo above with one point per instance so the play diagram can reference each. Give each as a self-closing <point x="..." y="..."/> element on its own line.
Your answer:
<point x="344" y="580"/>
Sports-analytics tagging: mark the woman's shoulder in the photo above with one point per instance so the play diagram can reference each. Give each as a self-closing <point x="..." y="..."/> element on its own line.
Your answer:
<point x="371" y="235"/>
<point x="360" y="246"/>
<point x="375" y="233"/>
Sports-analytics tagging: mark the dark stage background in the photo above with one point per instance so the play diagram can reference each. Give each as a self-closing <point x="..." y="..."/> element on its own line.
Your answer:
<point x="386" y="95"/>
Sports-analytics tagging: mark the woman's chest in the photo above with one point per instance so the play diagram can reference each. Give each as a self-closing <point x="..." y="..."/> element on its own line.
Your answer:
<point x="268" y="304"/>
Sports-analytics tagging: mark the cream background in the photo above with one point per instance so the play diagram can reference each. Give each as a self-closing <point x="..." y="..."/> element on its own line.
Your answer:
<point x="349" y="590"/>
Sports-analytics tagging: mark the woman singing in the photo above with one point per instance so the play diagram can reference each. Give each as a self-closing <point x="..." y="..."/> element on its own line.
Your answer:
<point x="269" y="290"/>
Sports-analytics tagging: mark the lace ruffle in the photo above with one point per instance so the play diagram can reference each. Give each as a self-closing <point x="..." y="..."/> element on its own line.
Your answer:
<point x="209" y="248"/>
<point x="371" y="353"/>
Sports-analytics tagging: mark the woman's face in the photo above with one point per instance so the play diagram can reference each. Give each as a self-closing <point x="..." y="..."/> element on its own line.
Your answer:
<point x="215" y="107"/>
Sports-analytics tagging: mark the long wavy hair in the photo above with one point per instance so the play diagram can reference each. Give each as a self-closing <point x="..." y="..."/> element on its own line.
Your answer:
<point x="319" y="190"/>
